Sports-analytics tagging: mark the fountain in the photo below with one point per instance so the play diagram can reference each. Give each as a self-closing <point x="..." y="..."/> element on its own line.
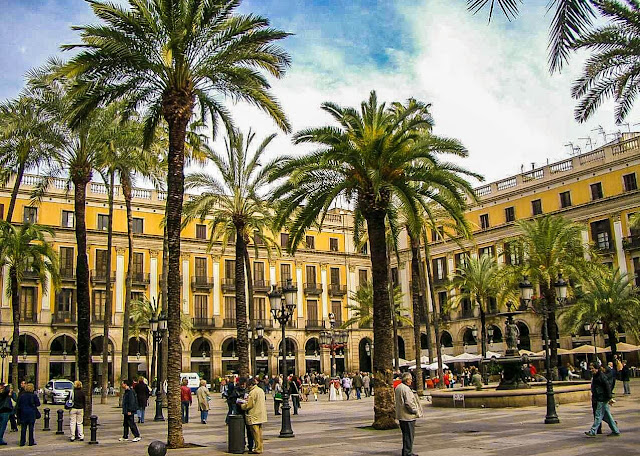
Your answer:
<point x="513" y="373"/>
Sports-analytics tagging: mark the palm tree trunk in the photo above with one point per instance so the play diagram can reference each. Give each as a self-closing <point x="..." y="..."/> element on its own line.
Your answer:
<point x="163" y="349"/>
<point x="394" y="320"/>
<point x="124" y="359"/>
<point x="109" y="301"/>
<point x="483" y="341"/>
<point x="83" y="307"/>
<point x="415" y="288"/>
<point x="177" y="108"/>
<point x="241" y="305"/>
<point x="384" y="403"/>
<point x="436" y="316"/>
<point x="14" y="192"/>
<point x="425" y="306"/>
<point x="252" y="325"/>
<point x="15" y="307"/>
<point x="613" y="340"/>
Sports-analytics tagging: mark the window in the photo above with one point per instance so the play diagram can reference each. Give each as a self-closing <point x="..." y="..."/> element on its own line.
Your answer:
<point x="99" y="301"/>
<point x="285" y="272"/>
<point x="201" y="231"/>
<point x="509" y="214"/>
<point x="258" y="273"/>
<point x="200" y="267"/>
<point x="138" y="225"/>
<point x="30" y="214"/>
<point x="467" y="309"/>
<point x="492" y="305"/>
<point x="138" y="265"/>
<point x="67" y="219"/>
<point x="200" y="307"/>
<point x="64" y="305"/>
<point x="636" y="271"/>
<point x="28" y="304"/>
<point x="363" y="277"/>
<point x="101" y="263"/>
<point x="596" y="191"/>
<point x="488" y="251"/>
<point x="442" y="302"/>
<point x="333" y="244"/>
<point x="601" y="234"/>
<point x="103" y="222"/>
<point x="436" y="234"/>
<point x="536" y="207"/>
<point x="484" y="221"/>
<point x="311" y="274"/>
<point x="460" y="259"/>
<point x="257" y="239"/>
<point x="439" y="269"/>
<point x="312" y="310"/>
<point x="335" y="276"/>
<point x="634" y="232"/>
<point x="512" y="255"/>
<point x="310" y="242"/>
<point x="260" y="309"/>
<point x="565" y="199"/>
<point x="364" y="250"/>
<point x="1" y="211"/>
<point x="394" y="277"/>
<point x="230" y="307"/>
<point x="336" y="308"/>
<point x="66" y="262"/>
<point x="137" y="296"/>
<point x="230" y="269"/>
<point x="630" y="182"/>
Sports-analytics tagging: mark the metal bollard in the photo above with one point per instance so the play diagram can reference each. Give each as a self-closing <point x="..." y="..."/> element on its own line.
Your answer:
<point x="235" y="436"/>
<point x="60" y="419"/>
<point x="46" y="420"/>
<point x="94" y="430"/>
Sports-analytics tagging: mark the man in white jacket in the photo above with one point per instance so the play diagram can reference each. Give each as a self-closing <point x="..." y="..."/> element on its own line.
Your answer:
<point x="407" y="411"/>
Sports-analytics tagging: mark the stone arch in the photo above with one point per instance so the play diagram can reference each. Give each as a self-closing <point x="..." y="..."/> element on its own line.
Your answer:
<point x="291" y="346"/>
<point x="29" y="343"/>
<point x="229" y="347"/>
<point x="199" y="346"/>
<point x="423" y="341"/>
<point x="96" y="345"/>
<point x="312" y="346"/>
<point x="364" y="358"/>
<point x="63" y="343"/>
<point x="138" y="345"/>
<point x="446" y="340"/>
<point x="524" y="340"/>
<point x="497" y="334"/>
<point x="467" y="337"/>
<point x="402" y="353"/>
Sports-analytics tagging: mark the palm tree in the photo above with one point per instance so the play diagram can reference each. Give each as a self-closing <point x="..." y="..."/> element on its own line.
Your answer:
<point x="27" y="139"/>
<point x="25" y="250"/>
<point x="634" y="221"/>
<point x="235" y="202"/>
<point x="362" y="311"/>
<point x="549" y="246"/>
<point x="173" y="56"/>
<point x="607" y="296"/>
<point x="372" y="157"/>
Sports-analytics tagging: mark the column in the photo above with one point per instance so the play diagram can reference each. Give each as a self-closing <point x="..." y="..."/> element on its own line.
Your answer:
<point x="351" y="288"/>
<point x="153" y="275"/>
<point x="300" y="289"/>
<point x="216" y="363"/>
<point x="500" y="254"/>
<point x="185" y="283"/>
<point x="404" y="268"/>
<point x="585" y="243"/>
<point x="216" y="286"/>
<point x="618" y="236"/>
<point x="274" y="362"/>
<point x="325" y="361"/>
<point x="119" y="278"/>
<point x="272" y="275"/>
<point x="45" y="309"/>
<point x="43" y="368"/>
<point x="325" y="292"/>
<point x="301" y="365"/>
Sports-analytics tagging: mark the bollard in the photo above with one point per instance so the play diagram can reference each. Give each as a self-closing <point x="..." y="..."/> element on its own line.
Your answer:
<point x="60" y="419"/>
<point x="94" y="430"/>
<point x="157" y="448"/>
<point x="235" y="436"/>
<point x="46" y="420"/>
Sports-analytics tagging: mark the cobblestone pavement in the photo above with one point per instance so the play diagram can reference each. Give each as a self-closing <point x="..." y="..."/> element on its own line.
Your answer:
<point x="325" y="428"/>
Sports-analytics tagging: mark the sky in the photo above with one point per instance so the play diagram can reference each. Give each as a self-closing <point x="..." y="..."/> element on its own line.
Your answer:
<point x="488" y="83"/>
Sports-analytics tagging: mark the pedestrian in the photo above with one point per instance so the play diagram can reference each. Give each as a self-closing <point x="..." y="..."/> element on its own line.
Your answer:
<point x="476" y="378"/>
<point x="129" y="408"/>
<point x="185" y="400"/>
<point x="625" y="376"/>
<point x="611" y="375"/>
<point x="357" y="384"/>
<point x="14" y="415"/>
<point x="601" y="394"/>
<point x="365" y="384"/>
<point x="142" y="393"/>
<point x="277" y="395"/>
<point x="203" y="401"/>
<point x="255" y="415"/>
<point x="346" y="385"/>
<point x="6" y="408"/>
<point x="76" y="414"/>
<point x="294" y="392"/>
<point x="27" y="410"/>
<point x="407" y="411"/>
<point x="314" y="390"/>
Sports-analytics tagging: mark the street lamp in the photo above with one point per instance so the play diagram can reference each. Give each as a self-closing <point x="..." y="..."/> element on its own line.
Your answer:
<point x="4" y="351"/>
<point x="282" y="306"/>
<point x="594" y="330"/>
<point x="334" y="340"/>
<point x="160" y="326"/>
<point x="526" y="296"/>
<point x="255" y="336"/>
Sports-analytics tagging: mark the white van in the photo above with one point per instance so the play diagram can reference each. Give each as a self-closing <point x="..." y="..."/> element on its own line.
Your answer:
<point x="193" y="380"/>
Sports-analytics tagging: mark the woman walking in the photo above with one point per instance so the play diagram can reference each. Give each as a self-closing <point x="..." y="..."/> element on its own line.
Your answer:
<point x="203" y="401"/>
<point x="277" y="395"/>
<point x="76" y="414"/>
<point x="28" y="412"/>
<point x="6" y="408"/>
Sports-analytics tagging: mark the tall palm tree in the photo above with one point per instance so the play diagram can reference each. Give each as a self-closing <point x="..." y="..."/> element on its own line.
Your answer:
<point x="362" y="310"/>
<point x="549" y="246"/>
<point x="607" y="296"/>
<point x="27" y="139"/>
<point x="372" y="157"/>
<point x="235" y="202"/>
<point x="174" y="57"/>
<point x="25" y="250"/>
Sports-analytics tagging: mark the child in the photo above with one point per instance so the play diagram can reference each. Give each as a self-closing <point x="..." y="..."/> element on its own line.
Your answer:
<point x="314" y="390"/>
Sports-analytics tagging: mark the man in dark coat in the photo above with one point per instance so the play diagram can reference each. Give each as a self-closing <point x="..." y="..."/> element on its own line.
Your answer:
<point x="601" y="395"/>
<point x="129" y="407"/>
<point x="142" y="393"/>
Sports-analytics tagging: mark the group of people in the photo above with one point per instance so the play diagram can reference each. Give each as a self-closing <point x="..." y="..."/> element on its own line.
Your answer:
<point x="19" y="408"/>
<point x="246" y="397"/>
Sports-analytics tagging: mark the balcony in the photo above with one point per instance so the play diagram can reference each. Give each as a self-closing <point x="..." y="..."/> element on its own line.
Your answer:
<point x="314" y="324"/>
<point x="261" y="286"/>
<point x="266" y="324"/>
<point x="30" y="276"/>
<point x="293" y="323"/>
<point x="467" y="313"/>
<point x="203" y="323"/>
<point x="605" y="248"/>
<point x="631" y="243"/>
<point x="440" y="280"/>
<point x="32" y="318"/>
<point x="282" y="285"/>
<point x="313" y="288"/>
<point x="67" y="274"/>
<point x="229" y="284"/>
<point x="99" y="319"/>
<point x="100" y="276"/>
<point x="229" y="323"/>
<point x="63" y="318"/>
<point x="201" y="283"/>
<point x="140" y="279"/>
<point x="337" y="289"/>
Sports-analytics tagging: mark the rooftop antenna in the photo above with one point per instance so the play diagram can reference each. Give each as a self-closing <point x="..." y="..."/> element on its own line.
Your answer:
<point x="522" y="168"/>
<point x="575" y="150"/>
<point x="589" y="142"/>
<point x="533" y="165"/>
<point x="628" y="127"/>
<point x="602" y="132"/>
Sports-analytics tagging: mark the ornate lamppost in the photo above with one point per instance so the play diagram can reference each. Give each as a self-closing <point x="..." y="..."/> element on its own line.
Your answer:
<point x="526" y="295"/>
<point x="594" y="330"/>
<point x="333" y="340"/>
<point x="283" y="305"/>
<point x="4" y="352"/>
<point x="159" y="328"/>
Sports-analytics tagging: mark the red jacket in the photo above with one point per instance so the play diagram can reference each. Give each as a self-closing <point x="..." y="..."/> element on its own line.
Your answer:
<point x="185" y="394"/>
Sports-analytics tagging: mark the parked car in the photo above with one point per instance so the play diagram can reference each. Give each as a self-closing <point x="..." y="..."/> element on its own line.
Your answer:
<point x="193" y="380"/>
<point x="56" y="391"/>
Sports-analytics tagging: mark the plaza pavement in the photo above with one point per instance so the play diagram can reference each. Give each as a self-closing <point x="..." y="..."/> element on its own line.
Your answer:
<point x="325" y="428"/>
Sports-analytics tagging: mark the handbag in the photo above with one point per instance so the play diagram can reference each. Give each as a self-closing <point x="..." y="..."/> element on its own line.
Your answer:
<point x="68" y="405"/>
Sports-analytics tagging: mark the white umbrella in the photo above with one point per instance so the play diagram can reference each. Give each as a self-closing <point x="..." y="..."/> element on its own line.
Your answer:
<point x="491" y="354"/>
<point x="431" y="367"/>
<point x="467" y="358"/>
<point x="403" y="362"/>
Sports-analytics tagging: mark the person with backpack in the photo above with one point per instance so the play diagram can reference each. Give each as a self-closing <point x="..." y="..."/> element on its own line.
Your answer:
<point x="129" y="408"/>
<point x="76" y="401"/>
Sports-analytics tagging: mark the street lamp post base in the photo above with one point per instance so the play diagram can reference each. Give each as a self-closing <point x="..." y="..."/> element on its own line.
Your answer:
<point x="159" y="416"/>
<point x="552" y="416"/>
<point x="286" y="431"/>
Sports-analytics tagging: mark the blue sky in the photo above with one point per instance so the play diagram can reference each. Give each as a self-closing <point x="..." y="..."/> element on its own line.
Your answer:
<point x="488" y="83"/>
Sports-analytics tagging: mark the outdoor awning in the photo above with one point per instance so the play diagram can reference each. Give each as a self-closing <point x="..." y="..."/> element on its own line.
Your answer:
<point x="563" y="351"/>
<point x="467" y="358"/>
<point x="621" y="347"/>
<point x="490" y="354"/>
<point x="431" y="367"/>
<point x="584" y="350"/>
